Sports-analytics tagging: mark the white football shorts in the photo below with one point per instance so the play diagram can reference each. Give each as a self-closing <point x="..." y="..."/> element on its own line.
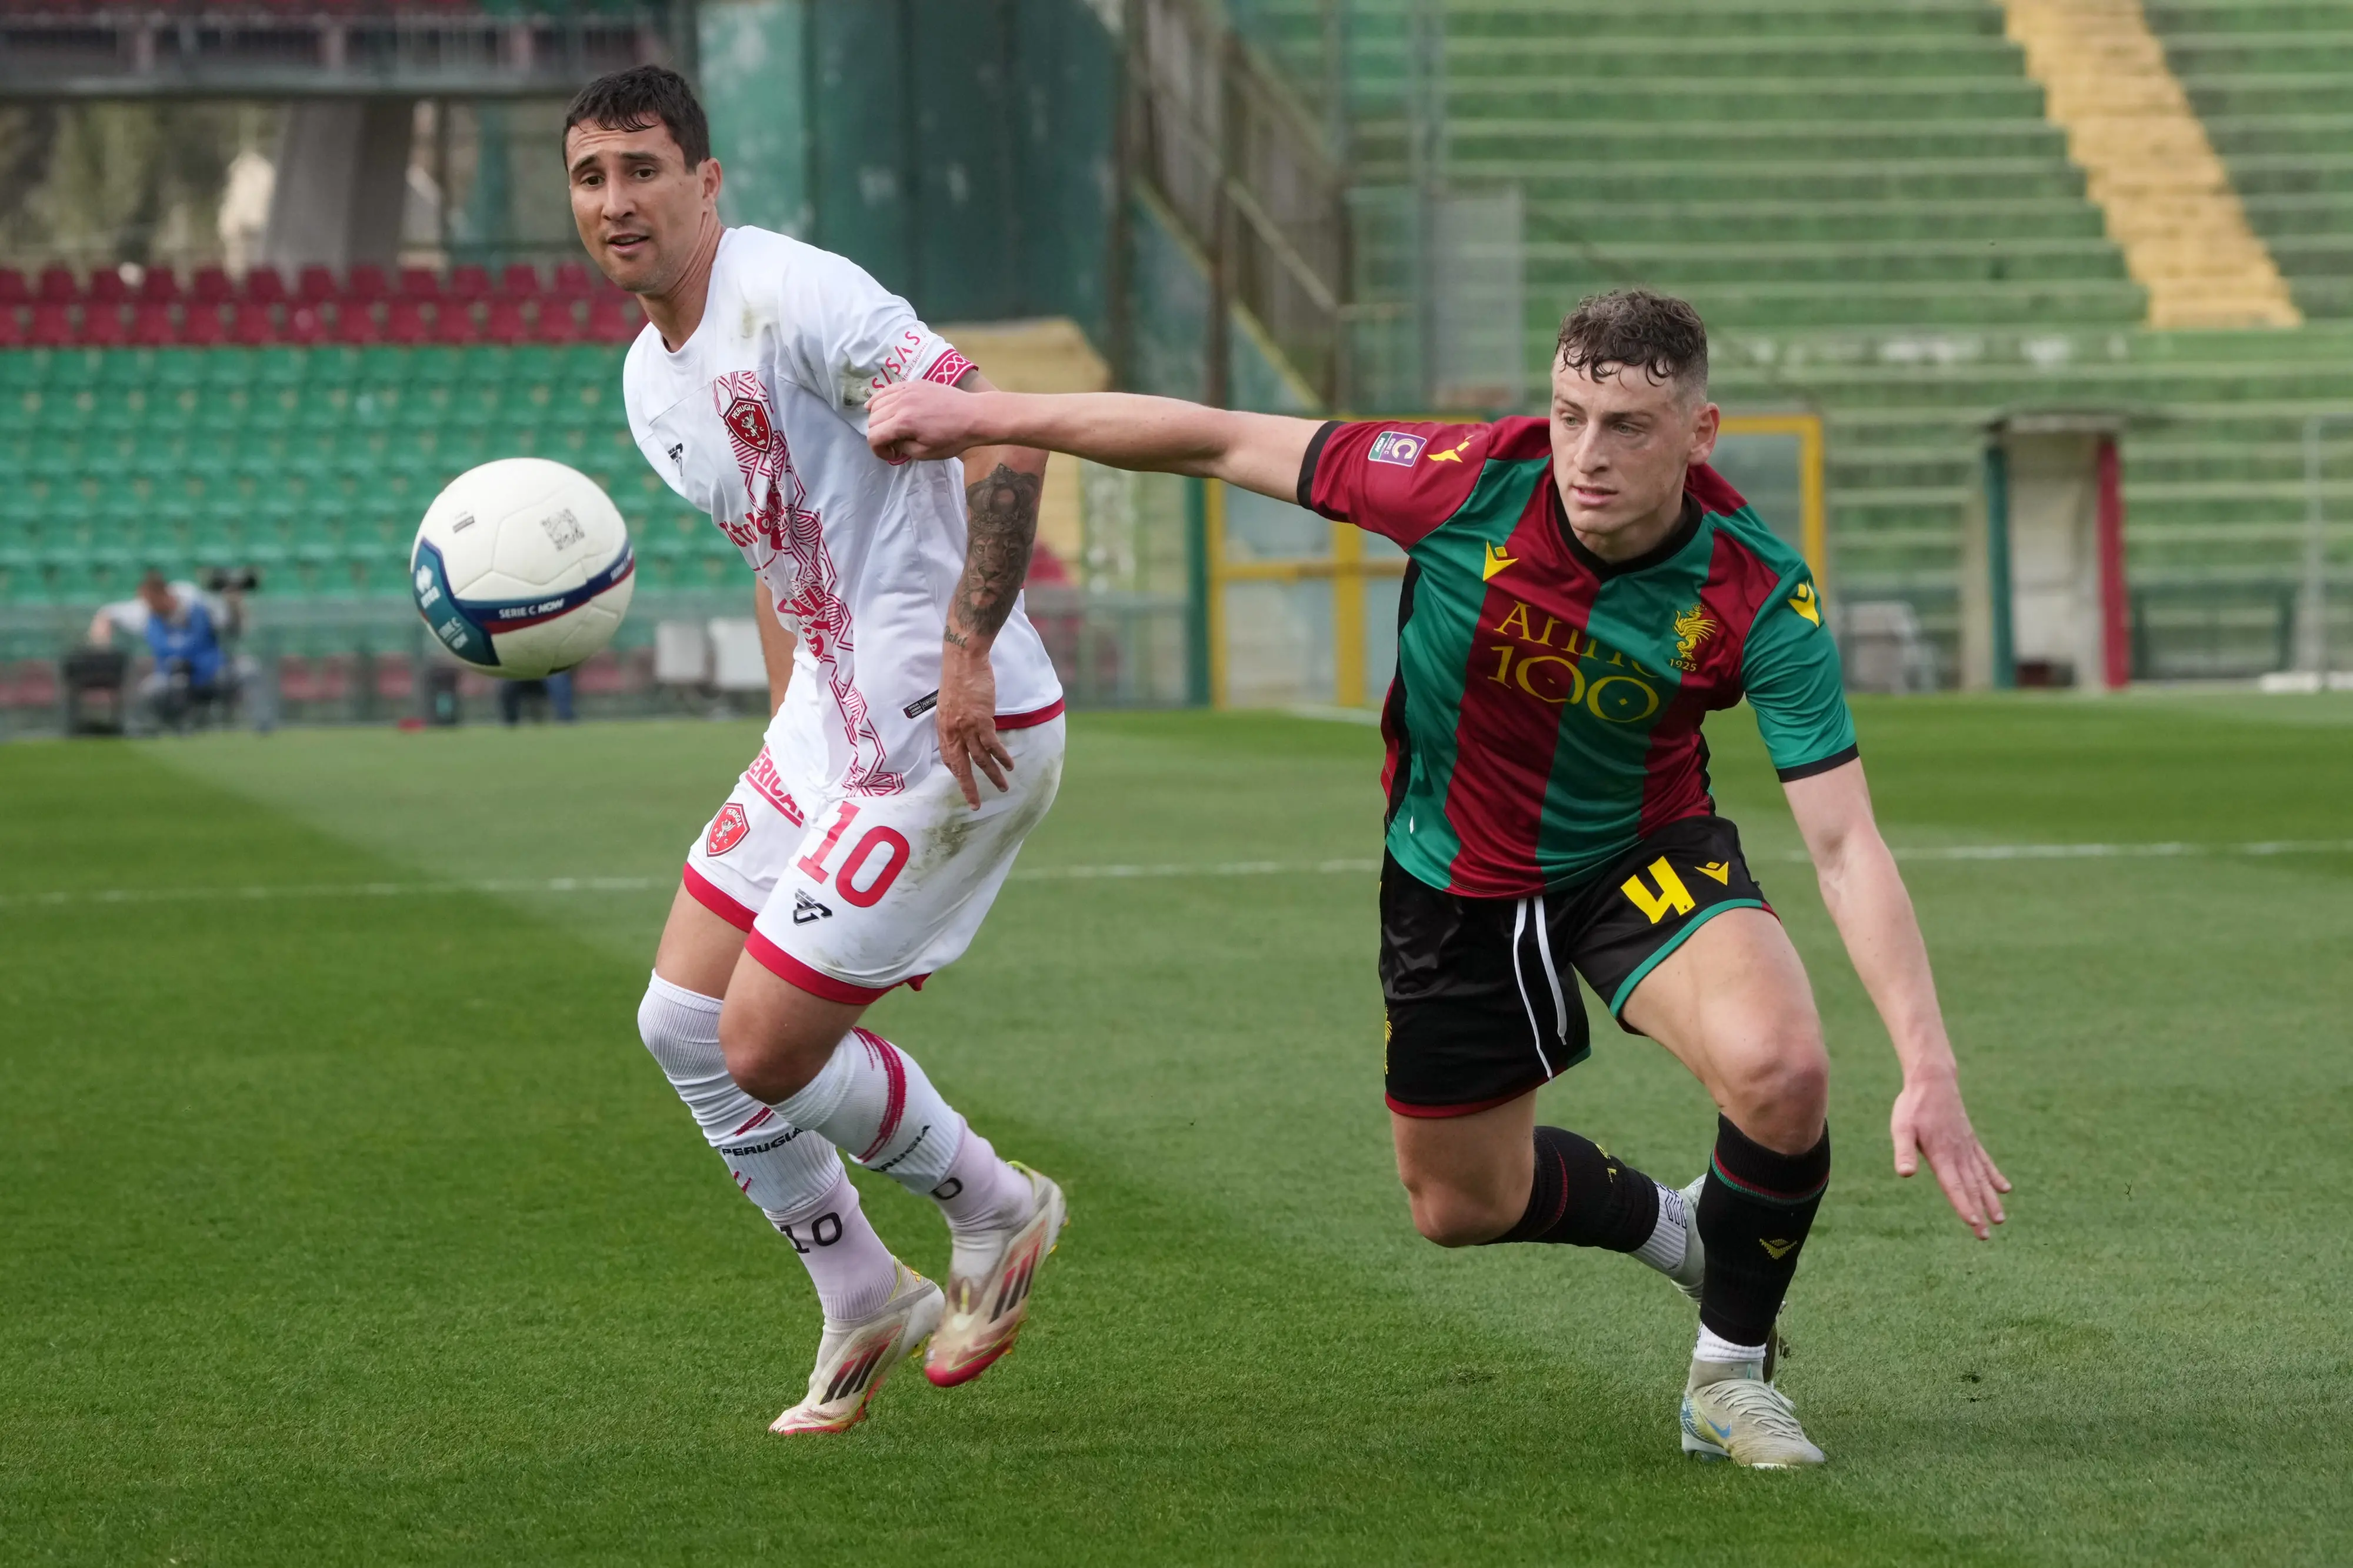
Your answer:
<point x="886" y="890"/>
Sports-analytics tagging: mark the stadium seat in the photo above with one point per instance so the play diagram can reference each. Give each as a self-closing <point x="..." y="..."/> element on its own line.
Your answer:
<point x="505" y="323"/>
<point x="205" y="324"/>
<point x="519" y="281"/>
<point x="13" y="289"/>
<point x="154" y="323"/>
<point x="306" y="323"/>
<point x="105" y="287"/>
<point x="571" y="279"/>
<point x="11" y="327"/>
<point x="57" y="287"/>
<point x="315" y="285"/>
<point x="211" y="286"/>
<point x="613" y="316"/>
<point x="457" y="323"/>
<point x="103" y="324"/>
<point x="420" y="283"/>
<point x="365" y="280"/>
<point x="263" y="286"/>
<point x="469" y="283"/>
<point x="556" y="321"/>
<point x="159" y="283"/>
<point x="407" y="319"/>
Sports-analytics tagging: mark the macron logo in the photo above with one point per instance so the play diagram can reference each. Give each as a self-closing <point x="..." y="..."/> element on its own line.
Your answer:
<point x="1395" y="446"/>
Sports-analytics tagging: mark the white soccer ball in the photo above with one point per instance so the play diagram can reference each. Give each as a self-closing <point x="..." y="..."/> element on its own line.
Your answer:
<point x="522" y="567"/>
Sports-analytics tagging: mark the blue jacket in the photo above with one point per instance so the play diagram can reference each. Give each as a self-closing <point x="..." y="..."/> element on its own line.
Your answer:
<point x="191" y="638"/>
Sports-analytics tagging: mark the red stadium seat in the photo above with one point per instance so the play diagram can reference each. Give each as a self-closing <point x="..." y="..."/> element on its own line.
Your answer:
<point x="103" y="325"/>
<point x="263" y="286"/>
<point x="558" y="321"/>
<point x="613" y="316"/>
<point x="106" y="288"/>
<point x="316" y="285"/>
<point x="571" y="279"/>
<point x="405" y="321"/>
<point x="205" y="326"/>
<point x="52" y="324"/>
<point x="161" y="283"/>
<point x="365" y="280"/>
<point x="469" y="283"/>
<point x="505" y="323"/>
<point x="519" y="281"/>
<point x="454" y="322"/>
<point x="153" y="325"/>
<point x="57" y="286"/>
<point x="211" y="286"/>
<point x="13" y="291"/>
<point x="252" y="324"/>
<point x="420" y="283"/>
<point x="355" y="322"/>
<point x="305" y="324"/>
<point x="12" y="326"/>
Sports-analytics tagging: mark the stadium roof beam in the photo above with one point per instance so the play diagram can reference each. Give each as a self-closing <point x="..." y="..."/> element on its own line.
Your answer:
<point x="259" y="54"/>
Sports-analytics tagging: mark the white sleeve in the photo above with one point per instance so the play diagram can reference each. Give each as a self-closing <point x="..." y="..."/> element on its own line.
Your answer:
<point x="850" y="336"/>
<point x="127" y="616"/>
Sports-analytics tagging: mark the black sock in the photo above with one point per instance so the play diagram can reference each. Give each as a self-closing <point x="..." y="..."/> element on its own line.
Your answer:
<point x="1754" y="1213"/>
<point x="1586" y="1197"/>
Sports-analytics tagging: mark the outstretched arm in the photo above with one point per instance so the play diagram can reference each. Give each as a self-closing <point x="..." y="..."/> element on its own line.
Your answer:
<point x="1867" y="900"/>
<point x="1258" y="451"/>
<point x="1004" y="480"/>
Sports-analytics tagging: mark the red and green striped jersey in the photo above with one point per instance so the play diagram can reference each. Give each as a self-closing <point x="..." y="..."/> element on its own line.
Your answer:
<point x="1545" y="713"/>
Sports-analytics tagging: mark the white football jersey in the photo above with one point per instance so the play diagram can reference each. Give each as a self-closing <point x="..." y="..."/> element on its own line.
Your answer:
<point x="759" y="419"/>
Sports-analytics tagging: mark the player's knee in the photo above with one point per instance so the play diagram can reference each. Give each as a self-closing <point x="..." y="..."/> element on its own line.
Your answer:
<point x="769" y="1066"/>
<point x="1452" y="1216"/>
<point x="1778" y="1094"/>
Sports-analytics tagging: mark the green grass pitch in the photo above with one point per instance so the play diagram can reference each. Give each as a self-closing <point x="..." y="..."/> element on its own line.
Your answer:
<point x="345" y="1226"/>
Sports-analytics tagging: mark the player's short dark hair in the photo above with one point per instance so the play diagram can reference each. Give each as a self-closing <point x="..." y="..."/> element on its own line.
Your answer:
<point x="639" y="99"/>
<point x="1625" y="327"/>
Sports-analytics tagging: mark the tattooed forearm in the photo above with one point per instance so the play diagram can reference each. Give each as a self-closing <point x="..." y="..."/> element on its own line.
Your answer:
<point x="1004" y="522"/>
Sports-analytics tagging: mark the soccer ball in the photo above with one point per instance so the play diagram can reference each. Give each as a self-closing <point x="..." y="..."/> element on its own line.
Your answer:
<point x="522" y="567"/>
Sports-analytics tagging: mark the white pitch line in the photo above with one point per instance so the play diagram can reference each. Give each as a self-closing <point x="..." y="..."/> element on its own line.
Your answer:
<point x="253" y="892"/>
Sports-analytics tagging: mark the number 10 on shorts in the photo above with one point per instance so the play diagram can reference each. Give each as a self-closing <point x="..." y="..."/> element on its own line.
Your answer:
<point x="866" y="871"/>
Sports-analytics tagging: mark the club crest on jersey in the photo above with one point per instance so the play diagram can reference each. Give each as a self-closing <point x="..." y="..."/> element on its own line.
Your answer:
<point x="748" y="418"/>
<point x="1398" y="447"/>
<point x="1692" y="627"/>
<point x="727" y="829"/>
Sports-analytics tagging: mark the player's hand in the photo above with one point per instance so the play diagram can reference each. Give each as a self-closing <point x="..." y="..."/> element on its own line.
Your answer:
<point x="1929" y="1120"/>
<point x="968" y="721"/>
<point x="920" y="420"/>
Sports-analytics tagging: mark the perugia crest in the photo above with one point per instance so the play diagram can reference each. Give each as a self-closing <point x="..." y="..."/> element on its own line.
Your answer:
<point x="748" y="418"/>
<point x="727" y="829"/>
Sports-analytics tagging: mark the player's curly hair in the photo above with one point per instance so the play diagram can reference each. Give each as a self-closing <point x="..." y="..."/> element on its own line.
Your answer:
<point x="639" y="99"/>
<point x="1659" y="332"/>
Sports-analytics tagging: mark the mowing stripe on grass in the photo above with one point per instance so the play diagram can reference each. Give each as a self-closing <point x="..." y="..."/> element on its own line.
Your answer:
<point x="1951" y="852"/>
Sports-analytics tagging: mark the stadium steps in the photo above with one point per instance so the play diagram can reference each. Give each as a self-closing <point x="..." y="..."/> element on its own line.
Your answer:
<point x="2274" y="82"/>
<point x="2149" y="164"/>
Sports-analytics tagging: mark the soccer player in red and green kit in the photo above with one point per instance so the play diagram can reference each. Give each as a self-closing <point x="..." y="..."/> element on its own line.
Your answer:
<point x="1583" y="590"/>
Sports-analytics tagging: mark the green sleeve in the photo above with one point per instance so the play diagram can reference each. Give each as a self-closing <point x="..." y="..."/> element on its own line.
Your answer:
<point x="1791" y="667"/>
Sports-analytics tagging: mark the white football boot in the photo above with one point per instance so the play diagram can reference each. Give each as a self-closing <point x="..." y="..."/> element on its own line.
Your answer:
<point x="989" y="1282"/>
<point x="853" y="1358"/>
<point x="1730" y="1412"/>
<point x="1692" y="1274"/>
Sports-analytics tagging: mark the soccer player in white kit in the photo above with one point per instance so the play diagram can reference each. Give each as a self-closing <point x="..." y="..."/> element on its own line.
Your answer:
<point x="859" y="852"/>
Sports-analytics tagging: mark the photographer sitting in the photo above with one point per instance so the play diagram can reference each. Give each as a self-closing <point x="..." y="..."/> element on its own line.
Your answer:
<point x="184" y="630"/>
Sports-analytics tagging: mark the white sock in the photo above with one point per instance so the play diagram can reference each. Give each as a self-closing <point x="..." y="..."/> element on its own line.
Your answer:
<point x="1714" y="1348"/>
<point x="1671" y="1237"/>
<point x="847" y="1262"/>
<point x="981" y="1192"/>
<point x="871" y="1101"/>
<point x="793" y="1177"/>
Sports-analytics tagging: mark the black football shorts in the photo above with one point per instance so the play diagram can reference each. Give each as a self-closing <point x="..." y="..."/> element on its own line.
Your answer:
<point x="1482" y="1008"/>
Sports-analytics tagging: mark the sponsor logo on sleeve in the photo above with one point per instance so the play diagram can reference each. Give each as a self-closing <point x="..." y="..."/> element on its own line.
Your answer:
<point x="1454" y="453"/>
<point x="1400" y="447"/>
<point x="1807" y="602"/>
